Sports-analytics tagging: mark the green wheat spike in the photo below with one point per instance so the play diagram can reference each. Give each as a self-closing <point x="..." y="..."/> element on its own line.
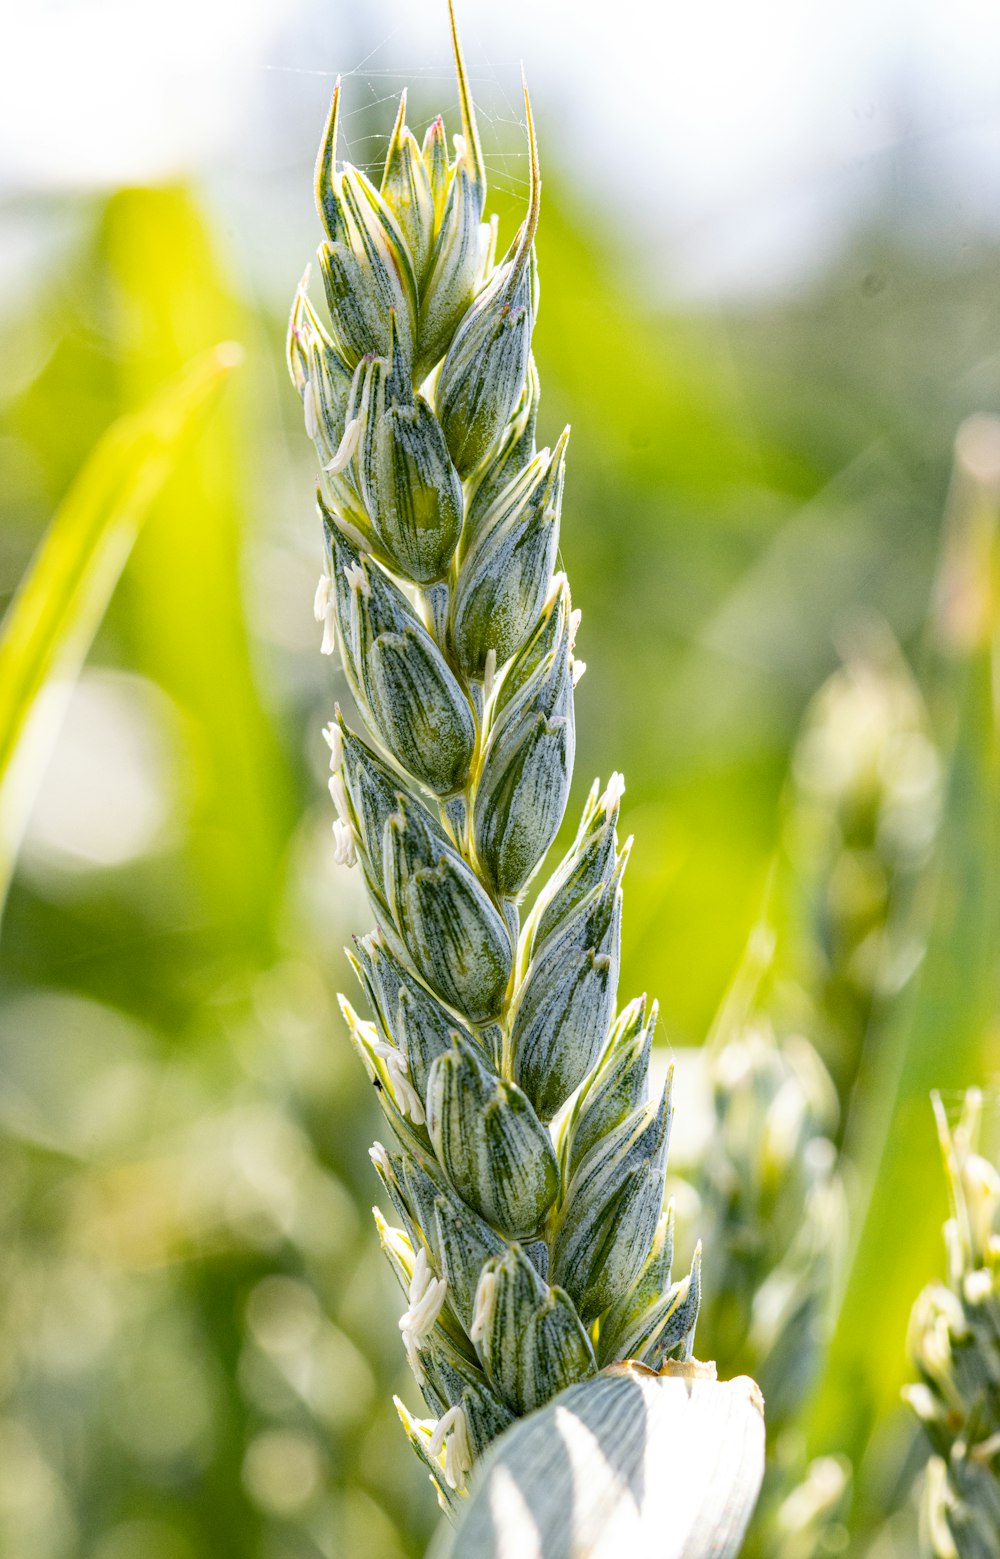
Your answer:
<point x="955" y="1345"/>
<point x="527" y="1169"/>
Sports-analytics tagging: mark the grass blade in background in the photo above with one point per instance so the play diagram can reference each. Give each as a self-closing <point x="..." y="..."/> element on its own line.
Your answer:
<point x="56" y="612"/>
<point x="190" y="605"/>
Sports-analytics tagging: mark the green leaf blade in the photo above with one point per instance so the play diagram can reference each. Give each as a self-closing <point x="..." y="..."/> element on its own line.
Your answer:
<point x="59" y="604"/>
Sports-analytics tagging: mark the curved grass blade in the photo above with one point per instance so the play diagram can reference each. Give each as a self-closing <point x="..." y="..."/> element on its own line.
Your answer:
<point x="59" y="604"/>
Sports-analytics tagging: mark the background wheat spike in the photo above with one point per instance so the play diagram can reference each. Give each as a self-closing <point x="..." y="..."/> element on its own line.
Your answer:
<point x="526" y="1176"/>
<point x="955" y="1344"/>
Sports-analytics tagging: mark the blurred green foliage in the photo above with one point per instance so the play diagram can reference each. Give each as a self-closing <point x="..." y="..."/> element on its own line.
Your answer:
<point x="197" y="1341"/>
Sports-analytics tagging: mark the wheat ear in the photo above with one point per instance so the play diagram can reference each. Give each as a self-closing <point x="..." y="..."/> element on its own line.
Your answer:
<point x="527" y="1170"/>
<point x="955" y="1344"/>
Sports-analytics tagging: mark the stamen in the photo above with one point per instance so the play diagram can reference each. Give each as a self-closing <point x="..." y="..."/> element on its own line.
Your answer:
<point x="380" y="1159"/>
<point x="357" y="578"/>
<point x="614" y="792"/>
<point x="309" y="408"/>
<point x="406" y="1096"/>
<point x="426" y="1295"/>
<point x="451" y="1433"/>
<point x="338" y="790"/>
<point x="484" y="1305"/>
<point x="321" y="600"/>
<point x="344" y="852"/>
<point x="329" y="641"/>
<point x="346" y="447"/>
<point x="334" y="740"/>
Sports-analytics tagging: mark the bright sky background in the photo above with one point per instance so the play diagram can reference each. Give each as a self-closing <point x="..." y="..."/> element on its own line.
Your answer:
<point x="750" y="132"/>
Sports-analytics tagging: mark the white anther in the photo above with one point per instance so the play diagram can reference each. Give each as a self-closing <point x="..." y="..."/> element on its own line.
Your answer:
<point x="451" y="1432"/>
<point x="325" y="612"/>
<point x="323" y="596"/>
<point x="458" y="141"/>
<point x="346" y="447"/>
<point x="485" y="240"/>
<point x="978" y="1286"/>
<point x="404" y="1093"/>
<point x="334" y="739"/>
<point x="413" y="1358"/>
<point x="575" y="619"/>
<point x="309" y="408"/>
<point x="426" y="1294"/>
<point x="338" y="790"/>
<point x="579" y="667"/>
<point x="380" y="1159"/>
<point x="489" y="674"/>
<point x="614" y="792"/>
<point x="484" y="1305"/>
<point x="357" y="578"/>
<point x="344" y="852"/>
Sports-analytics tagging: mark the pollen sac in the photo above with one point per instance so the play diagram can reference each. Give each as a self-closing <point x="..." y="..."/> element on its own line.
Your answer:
<point x="565" y="1004"/>
<point x="617" y="1085"/>
<point x="589" y="861"/>
<point x="505" y="575"/>
<point x="516" y="450"/>
<point x="608" y="1221"/>
<point x="528" y="761"/>
<point x="412" y="699"/>
<point x="453" y="933"/>
<point x="490" y="1143"/>
<point x="405" y="1010"/>
<point x="409" y="487"/>
<point x="529" y="1336"/>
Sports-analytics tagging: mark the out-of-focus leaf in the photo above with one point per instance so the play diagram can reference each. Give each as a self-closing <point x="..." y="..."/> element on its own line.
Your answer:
<point x="630" y="1463"/>
<point x="59" y="605"/>
<point x="187" y="600"/>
